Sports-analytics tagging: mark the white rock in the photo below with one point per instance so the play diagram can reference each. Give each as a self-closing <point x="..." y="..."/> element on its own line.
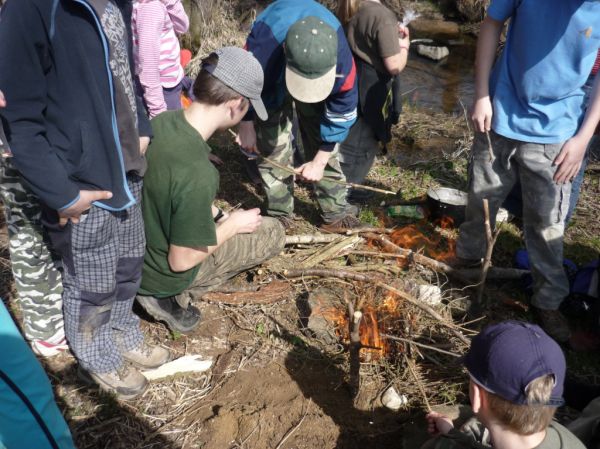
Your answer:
<point x="432" y="52"/>
<point x="502" y="215"/>
<point x="392" y="400"/>
<point x="185" y="364"/>
<point x="431" y="294"/>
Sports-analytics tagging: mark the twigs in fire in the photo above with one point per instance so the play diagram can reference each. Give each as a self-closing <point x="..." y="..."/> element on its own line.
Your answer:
<point x="348" y="275"/>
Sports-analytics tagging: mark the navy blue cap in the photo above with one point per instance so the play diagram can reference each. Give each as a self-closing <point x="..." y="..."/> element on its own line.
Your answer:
<point x="506" y="357"/>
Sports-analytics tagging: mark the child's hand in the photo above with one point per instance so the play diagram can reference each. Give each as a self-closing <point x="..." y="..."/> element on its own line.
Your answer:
<point x="438" y="423"/>
<point x="481" y="114"/>
<point x="569" y="159"/>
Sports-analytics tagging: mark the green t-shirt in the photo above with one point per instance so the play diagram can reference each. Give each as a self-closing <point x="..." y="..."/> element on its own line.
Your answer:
<point x="179" y="188"/>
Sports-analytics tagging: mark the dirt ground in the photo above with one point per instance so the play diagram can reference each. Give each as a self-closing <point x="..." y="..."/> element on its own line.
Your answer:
<point x="274" y="383"/>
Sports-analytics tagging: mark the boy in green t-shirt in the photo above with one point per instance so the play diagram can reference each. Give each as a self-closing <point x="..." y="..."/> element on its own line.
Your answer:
<point x="190" y="242"/>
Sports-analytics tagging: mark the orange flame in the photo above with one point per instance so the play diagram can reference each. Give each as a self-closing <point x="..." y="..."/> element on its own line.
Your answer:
<point x="424" y="237"/>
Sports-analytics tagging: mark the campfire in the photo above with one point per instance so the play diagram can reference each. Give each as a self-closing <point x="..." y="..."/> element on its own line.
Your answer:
<point x="379" y="316"/>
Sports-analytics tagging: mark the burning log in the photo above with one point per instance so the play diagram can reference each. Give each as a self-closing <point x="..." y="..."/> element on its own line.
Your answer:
<point x="465" y="275"/>
<point x="428" y="262"/>
<point x="348" y="275"/>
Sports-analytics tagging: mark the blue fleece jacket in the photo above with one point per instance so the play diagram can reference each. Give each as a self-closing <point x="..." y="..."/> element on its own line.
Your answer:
<point x="60" y="117"/>
<point x="266" y="41"/>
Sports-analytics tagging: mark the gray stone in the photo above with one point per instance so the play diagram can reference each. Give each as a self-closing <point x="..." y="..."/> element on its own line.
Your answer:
<point x="431" y="52"/>
<point x="316" y="314"/>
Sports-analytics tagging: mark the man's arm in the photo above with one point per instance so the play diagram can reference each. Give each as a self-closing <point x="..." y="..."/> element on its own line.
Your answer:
<point x="570" y="157"/>
<point x="487" y="46"/>
<point x="183" y="258"/>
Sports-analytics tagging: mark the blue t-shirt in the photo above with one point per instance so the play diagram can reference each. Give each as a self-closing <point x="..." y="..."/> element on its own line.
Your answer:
<point x="536" y="85"/>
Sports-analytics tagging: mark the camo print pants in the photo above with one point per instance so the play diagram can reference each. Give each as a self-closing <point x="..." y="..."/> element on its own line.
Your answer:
<point x="274" y="140"/>
<point x="37" y="280"/>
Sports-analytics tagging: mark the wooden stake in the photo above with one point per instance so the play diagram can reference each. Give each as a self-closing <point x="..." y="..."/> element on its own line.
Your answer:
<point x="354" y="319"/>
<point x="487" y="261"/>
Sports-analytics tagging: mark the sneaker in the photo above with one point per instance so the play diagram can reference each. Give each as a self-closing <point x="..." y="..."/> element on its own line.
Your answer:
<point x="147" y="356"/>
<point x="126" y="382"/>
<point x="51" y="347"/>
<point x="167" y="310"/>
<point x="554" y="324"/>
<point x="346" y="222"/>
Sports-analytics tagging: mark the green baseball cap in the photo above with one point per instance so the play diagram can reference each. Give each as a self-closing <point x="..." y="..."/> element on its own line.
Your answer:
<point x="311" y="53"/>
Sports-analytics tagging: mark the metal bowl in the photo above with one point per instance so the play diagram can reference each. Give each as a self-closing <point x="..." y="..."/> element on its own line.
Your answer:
<point x="446" y="202"/>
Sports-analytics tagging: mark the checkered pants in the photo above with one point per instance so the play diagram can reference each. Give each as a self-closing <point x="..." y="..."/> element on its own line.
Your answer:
<point x="102" y="259"/>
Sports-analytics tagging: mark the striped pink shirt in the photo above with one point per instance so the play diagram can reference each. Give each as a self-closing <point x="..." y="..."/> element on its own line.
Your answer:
<point x="156" y="48"/>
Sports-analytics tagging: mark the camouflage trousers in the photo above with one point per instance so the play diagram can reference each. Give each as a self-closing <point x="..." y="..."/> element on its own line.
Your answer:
<point x="240" y="253"/>
<point x="274" y="140"/>
<point x="37" y="280"/>
<point x="545" y="206"/>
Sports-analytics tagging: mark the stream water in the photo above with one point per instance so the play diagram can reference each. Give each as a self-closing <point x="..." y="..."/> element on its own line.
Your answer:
<point x="442" y="85"/>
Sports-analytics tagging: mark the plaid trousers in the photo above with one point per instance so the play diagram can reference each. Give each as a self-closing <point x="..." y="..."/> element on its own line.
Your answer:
<point x="102" y="259"/>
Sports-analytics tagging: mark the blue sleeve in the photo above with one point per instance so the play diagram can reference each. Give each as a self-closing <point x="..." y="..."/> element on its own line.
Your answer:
<point x="340" y="106"/>
<point x="265" y="47"/>
<point x="501" y="10"/>
<point x="25" y="56"/>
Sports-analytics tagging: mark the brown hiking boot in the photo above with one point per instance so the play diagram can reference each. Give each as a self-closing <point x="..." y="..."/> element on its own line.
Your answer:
<point x="126" y="382"/>
<point x="148" y="357"/>
<point x="346" y="222"/>
<point x="554" y="324"/>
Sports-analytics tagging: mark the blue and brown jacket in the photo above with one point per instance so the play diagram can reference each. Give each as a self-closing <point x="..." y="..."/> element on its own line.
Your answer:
<point x="266" y="41"/>
<point x="60" y="117"/>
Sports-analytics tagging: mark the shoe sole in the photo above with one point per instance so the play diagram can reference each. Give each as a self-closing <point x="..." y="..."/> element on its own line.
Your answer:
<point x="89" y="380"/>
<point x="159" y="315"/>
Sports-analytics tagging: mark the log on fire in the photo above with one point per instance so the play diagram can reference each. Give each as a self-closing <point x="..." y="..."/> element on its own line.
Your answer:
<point x="465" y="275"/>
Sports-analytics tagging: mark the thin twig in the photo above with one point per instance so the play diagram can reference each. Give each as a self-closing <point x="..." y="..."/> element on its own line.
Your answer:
<point x="422" y="345"/>
<point x="490" y="147"/>
<point x="293" y="429"/>
<point x="325" y="178"/>
<point x="419" y="383"/>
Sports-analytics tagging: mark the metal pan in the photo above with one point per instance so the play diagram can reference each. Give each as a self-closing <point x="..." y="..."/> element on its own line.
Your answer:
<point x="446" y="202"/>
